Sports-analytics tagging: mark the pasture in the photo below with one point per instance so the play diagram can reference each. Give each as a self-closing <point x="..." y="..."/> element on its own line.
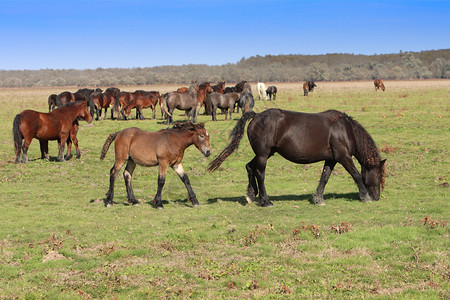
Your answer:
<point x="59" y="241"/>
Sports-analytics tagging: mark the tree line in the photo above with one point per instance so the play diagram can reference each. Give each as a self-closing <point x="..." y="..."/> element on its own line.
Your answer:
<point x="269" y="68"/>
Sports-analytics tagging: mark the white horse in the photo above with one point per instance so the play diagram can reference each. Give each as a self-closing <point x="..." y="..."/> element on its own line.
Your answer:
<point x="261" y="90"/>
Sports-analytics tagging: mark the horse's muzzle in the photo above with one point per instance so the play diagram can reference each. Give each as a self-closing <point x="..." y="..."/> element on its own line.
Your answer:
<point x="206" y="152"/>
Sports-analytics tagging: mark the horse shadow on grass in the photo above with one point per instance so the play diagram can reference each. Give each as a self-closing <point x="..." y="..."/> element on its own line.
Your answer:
<point x="305" y="197"/>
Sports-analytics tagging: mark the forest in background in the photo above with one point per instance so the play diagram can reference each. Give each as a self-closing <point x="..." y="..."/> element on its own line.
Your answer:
<point x="269" y="68"/>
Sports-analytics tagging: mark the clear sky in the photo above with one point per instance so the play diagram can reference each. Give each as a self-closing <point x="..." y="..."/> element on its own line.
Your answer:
<point x="88" y="34"/>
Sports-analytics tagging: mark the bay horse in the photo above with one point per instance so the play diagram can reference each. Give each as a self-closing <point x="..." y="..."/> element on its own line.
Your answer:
<point x="305" y="138"/>
<point x="121" y="101"/>
<point x="219" y="87"/>
<point x="56" y="125"/>
<point x="143" y="99"/>
<point x="67" y="97"/>
<point x="224" y="101"/>
<point x="52" y="102"/>
<point x="378" y="83"/>
<point x="272" y="91"/>
<point x="183" y="101"/>
<point x="308" y="86"/>
<point x="163" y="148"/>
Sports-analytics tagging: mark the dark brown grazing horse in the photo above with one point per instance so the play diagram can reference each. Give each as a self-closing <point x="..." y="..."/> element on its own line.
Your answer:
<point x="308" y="86"/>
<point x="164" y="148"/>
<point x="272" y="91"/>
<point x="52" y="102"/>
<point x="378" y="83"/>
<point x="55" y="125"/>
<point x="143" y="99"/>
<point x="183" y="101"/>
<point x="305" y="138"/>
<point x="219" y="87"/>
<point x="223" y="101"/>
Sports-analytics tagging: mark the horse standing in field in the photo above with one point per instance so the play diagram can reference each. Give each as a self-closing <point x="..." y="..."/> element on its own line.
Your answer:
<point x="308" y="86"/>
<point x="121" y="101"/>
<point x="245" y="102"/>
<point x="219" y="87"/>
<point x="305" y="138"/>
<point x="238" y="88"/>
<point x="60" y="124"/>
<point x="378" y="83"/>
<point x="143" y="99"/>
<point x="272" y="90"/>
<point x="261" y="90"/>
<point x="67" y="97"/>
<point x="164" y="148"/>
<point x="224" y="101"/>
<point x="52" y="102"/>
<point x="183" y="101"/>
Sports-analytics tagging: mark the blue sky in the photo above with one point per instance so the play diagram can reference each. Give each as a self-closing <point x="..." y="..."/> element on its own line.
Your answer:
<point x="89" y="34"/>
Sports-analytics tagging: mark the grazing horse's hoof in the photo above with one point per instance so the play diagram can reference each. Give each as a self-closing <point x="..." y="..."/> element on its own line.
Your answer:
<point x="109" y="205"/>
<point x="318" y="201"/>
<point x="135" y="204"/>
<point x="366" y="198"/>
<point x="195" y="204"/>
<point x="266" y="204"/>
<point x="249" y="199"/>
<point x="160" y="207"/>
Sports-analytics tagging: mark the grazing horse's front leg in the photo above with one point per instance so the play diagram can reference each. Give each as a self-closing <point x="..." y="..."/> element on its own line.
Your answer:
<point x="184" y="177"/>
<point x="127" y="174"/>
<point x="348" y="164"/>
<point x="161" y="181"/>
<point x="327" y="169"/>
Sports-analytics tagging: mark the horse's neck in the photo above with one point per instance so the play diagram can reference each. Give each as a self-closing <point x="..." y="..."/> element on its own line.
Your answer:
<point x="186" y="137"/>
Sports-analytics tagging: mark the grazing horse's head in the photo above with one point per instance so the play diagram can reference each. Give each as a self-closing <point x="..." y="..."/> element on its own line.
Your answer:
<point x="373" y="178"/>
<point x="126" y="111"/>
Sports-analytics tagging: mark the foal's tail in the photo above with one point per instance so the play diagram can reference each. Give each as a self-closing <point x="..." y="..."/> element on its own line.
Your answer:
<point x="108" y="142"/>
<point x="17" y="134"/>
<point x="236" y="136"/>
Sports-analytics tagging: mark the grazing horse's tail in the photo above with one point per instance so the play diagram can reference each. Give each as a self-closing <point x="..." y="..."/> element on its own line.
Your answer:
<point x="108" y="142"/>
<point x="164" y="105"/>
<point x="17" y="134"/>
<point x="236" y="136"/>
<point x="116" y="103"/>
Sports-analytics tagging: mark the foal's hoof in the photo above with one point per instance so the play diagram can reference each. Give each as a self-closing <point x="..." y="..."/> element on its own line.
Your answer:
<point x="109" y="205"/>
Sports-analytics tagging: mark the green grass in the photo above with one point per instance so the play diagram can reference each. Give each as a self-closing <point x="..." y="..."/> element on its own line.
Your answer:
<point x="226" y="248"/>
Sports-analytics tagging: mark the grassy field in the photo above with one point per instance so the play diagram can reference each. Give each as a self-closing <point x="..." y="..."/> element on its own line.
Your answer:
<point x="58" y="241"/>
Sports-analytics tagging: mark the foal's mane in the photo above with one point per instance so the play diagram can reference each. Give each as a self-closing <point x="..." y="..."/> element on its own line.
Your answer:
<point x="366" y="149"/>
<point x="187" y="125"/>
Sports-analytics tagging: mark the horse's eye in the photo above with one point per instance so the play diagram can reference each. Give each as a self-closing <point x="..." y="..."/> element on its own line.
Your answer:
<point x="201" y="136"/>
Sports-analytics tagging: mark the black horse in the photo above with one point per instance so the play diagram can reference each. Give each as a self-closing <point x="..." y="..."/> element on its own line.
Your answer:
<point x="305" y="138"/>
<point x="272" y="90"/>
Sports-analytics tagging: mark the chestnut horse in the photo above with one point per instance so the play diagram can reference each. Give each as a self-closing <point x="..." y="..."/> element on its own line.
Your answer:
<point x="308" y="86"/>
<point x="143" y="99"/>
<point x="55" y="125"/>
<point x="378" y="83"/>
<point x="163" y="148"/>
<point x="306" y="138"/>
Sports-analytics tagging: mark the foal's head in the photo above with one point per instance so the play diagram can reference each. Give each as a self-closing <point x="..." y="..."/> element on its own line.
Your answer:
<point x="201" y="136"/>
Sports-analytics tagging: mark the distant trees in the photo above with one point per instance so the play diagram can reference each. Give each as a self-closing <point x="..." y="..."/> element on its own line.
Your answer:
<point x="269" y="68"/>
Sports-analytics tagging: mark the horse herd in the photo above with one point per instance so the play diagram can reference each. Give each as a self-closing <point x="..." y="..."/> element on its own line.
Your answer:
<point x="303" y="138"/>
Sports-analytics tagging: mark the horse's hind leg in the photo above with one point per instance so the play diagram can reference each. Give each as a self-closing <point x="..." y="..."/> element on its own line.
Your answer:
<point x="184" y="177"/>
<point x="112" y="178"/>
<point x="25" y="147"/>
<point x="327" y="169"/>
<point x="260" y="164"/>
<point x="44" y="148"/>
<point x="252" y="188"/>
<point x="127" y="174"/>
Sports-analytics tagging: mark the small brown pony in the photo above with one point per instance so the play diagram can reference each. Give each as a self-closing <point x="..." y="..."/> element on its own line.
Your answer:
<point x="378" y="83"/>
<point x="143" y="99"/>
<point x="60" y="124"/>
<point x="163" y="148"/>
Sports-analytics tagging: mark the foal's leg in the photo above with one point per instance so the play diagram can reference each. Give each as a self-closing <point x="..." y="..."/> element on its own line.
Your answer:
<point x="327" y="169"/>
<point x="184" y="177"/>
<point x="252" y="188"/>
<point x="61" y="144"/>
<point x="261" y="162"/>
<point x="127" y="174"/>
<point x="44" y="148"/>
<point x="161" y="180"/>
<point x="112" y="178"/>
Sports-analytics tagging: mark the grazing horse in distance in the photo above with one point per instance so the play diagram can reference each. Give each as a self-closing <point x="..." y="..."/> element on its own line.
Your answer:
<point x="143" y="99"/>
<point x="378" y="83"/>
<point x="308" y="86"/>
<point x="164" y="148"/>
<point x="121" y="101"/>
<point x="183" y="101"/>
<point x="261" y="90"/>
<point x="306" y="138"/>
<point x="272" y="90"/>
<point x="219" y="87"/>
<point x="52" y="102"/>
<point x="55" y="125"/>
